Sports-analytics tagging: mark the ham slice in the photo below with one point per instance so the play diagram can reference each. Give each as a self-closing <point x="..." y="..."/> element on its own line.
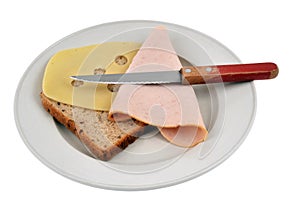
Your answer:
<point x="173" y="109"/>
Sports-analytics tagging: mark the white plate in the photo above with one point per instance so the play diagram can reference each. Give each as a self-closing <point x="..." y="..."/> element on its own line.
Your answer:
<point x="150" y="162"/>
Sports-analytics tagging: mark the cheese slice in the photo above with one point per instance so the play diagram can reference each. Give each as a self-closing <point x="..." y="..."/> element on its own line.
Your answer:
<point x="58" y="85"/>
<point x="172" y="108"/>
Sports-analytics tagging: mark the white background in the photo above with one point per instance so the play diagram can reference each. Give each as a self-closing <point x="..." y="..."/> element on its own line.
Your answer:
<point x="267" y="163"/>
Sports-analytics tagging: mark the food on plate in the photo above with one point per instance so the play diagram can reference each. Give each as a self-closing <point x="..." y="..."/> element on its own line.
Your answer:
<point x="95" y="59"/>
<point x="107" y="118"/>
<point x="102" y="137"/>
<point x="173" y="109"/>
<point x="82" y="107"/>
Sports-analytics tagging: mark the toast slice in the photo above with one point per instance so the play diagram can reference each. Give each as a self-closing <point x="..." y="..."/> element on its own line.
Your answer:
<point x="102" y="137"/>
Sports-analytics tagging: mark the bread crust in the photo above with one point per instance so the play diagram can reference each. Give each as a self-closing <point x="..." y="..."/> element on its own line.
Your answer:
<point x="104" y="154"/>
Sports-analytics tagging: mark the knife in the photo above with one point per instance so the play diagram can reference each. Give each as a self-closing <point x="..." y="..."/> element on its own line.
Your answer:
<point x="190" y="75"/>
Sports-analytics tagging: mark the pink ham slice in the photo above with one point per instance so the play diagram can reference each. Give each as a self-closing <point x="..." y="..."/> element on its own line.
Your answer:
<point x="172" y="108"/>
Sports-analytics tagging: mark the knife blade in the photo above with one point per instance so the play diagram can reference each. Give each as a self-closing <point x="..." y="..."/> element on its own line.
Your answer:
<point x="190" y="75"/>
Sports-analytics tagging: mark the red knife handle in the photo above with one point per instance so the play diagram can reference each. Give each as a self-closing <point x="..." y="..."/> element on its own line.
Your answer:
<point x="228" y="73"/>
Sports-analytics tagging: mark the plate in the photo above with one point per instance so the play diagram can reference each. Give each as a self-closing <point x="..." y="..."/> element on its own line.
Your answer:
<point x="150" y="162"/>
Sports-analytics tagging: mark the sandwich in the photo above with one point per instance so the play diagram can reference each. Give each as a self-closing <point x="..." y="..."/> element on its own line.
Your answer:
<point x="107" y="119"/>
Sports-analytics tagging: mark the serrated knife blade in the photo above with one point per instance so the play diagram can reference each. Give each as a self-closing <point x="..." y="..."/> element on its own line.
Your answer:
<point x="162" y="77"/>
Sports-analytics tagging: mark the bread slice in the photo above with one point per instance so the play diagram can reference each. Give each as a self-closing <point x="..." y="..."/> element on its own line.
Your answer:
<point x="102" y="137"/>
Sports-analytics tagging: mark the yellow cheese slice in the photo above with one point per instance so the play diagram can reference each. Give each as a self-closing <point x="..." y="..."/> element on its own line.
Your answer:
<point x="58" y="85"/>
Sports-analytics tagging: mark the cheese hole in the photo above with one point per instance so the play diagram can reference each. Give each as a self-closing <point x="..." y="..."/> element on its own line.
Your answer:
<point x="113" y="87"/>
<point x="121" y="60"/>
<point x="76" y="83"/>
<point x="99" y="71"/>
